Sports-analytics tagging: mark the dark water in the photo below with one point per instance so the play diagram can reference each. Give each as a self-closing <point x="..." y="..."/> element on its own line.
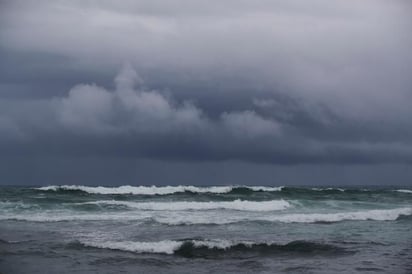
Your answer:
<point x="187" y="229"/>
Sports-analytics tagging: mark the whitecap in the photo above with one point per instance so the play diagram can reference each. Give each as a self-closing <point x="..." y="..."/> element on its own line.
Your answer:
<point x="404" y="190"/>
<point x="164" y="247"/>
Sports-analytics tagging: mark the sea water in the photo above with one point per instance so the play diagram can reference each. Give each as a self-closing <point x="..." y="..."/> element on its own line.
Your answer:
<point x="214" y="229"/>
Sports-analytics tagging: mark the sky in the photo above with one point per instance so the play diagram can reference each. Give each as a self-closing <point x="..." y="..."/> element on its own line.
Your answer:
<point x="297" y="92"/>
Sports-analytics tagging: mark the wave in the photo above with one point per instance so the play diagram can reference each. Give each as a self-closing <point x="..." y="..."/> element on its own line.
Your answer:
<point x="328" y="189"/>
<point x="211" y="218"/>
<point x="156" y="190"/>
<point x="339" y="190"/>
<point x="7" y="205"/>
<point x="73" y="216"/>
<point x="2" y="241"/>
<point x="234" y="189"/>
<point x="179" y="206"/>
<point x="372" y="215"/>
<point x="212" y="248"/>
<point x="404" y="191"/>
<point x="368" y="215"/>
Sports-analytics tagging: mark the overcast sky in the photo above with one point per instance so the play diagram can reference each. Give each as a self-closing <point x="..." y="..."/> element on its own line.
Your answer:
<point x="206" y="92"/>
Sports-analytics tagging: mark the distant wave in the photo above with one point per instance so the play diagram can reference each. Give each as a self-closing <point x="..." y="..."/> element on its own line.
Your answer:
<point x="200" y="218"/>
<point x="328" y="189"/>
<point x="156" y="190"/>
<point x="211" y="248"/>
<point x="177" y="206"/>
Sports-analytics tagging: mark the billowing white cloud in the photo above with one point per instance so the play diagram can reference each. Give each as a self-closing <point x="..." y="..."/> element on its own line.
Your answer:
<point x="129" y="108"/>
<point x="87" y="107"/>
<point x="132" y="109"/>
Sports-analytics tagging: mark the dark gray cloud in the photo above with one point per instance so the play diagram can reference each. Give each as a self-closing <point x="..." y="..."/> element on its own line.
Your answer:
<point x="134" y="121"/>
<point x="313" y="83"/>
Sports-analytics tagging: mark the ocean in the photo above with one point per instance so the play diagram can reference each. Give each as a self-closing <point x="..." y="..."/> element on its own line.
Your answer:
<point x="191" y="229"/>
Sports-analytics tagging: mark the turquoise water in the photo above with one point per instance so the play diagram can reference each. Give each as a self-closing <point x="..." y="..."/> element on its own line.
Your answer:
<point x="186" y="229"/>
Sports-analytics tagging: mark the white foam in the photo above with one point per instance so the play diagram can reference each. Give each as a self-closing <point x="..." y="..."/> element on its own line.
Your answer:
<point x="166" y="247"/>
<point x="154" y="190"/>
<point x="404" y="190"/>
<point x="179" y="206"/>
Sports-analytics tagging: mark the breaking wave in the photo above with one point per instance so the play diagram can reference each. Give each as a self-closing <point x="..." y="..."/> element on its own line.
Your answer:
<point x="213" y="248"/>
<point x="155" y="190"/>
<point x="404" y="191"/>
<point x="368" y="215"/>
<point x="178" y="206"/>
<point x="234" y="189"/>
<point x="200" y="218"/>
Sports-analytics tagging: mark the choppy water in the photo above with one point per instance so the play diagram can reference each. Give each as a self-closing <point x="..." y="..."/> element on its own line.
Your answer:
<point x="188" y="229"/>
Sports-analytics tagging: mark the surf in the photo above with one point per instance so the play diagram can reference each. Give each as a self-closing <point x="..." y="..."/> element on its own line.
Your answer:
<point x="240" y="205"/>
<point x="190" y="248"/>
<point x="155" y="190"/>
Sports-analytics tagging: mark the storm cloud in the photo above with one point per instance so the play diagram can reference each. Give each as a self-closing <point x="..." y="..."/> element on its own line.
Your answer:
<point x="278" y="84"/>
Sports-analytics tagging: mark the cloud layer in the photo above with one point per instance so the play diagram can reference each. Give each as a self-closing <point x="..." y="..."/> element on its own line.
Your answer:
<point x="135" y="121"/>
